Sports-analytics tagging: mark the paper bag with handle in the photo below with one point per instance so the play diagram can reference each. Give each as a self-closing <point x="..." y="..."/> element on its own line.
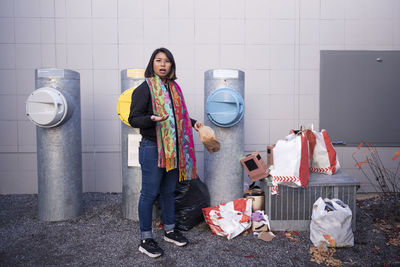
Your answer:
<point x="208" y="138"/>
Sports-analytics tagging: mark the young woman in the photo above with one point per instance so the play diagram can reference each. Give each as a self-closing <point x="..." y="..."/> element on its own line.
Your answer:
<point x="166" y="152"/>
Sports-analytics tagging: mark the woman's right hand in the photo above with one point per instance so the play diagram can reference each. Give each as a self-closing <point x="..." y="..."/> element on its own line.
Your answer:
<point x="158" y="118"/>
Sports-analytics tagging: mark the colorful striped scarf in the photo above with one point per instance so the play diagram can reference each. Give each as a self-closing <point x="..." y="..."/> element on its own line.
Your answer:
<point x="166" y="130"/>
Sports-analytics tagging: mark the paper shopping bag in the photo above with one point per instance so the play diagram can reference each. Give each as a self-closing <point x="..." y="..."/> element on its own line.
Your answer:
<point x="323" y="157"/>
<point x="291" y="162"/>
<point x="208" y="138"/>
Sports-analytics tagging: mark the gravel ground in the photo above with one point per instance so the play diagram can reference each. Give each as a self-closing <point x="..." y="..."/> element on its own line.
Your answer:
<point x="102" y="237"/>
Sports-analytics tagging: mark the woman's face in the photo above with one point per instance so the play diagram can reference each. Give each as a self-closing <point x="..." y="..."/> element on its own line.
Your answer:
<point x="162" y="65"/>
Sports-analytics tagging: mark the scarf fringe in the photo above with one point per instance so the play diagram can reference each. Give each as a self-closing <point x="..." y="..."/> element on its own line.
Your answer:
<point x="170" y="164"/>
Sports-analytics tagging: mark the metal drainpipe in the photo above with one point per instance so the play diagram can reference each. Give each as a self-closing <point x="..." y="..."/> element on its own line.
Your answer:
<point x="55" y="109"/>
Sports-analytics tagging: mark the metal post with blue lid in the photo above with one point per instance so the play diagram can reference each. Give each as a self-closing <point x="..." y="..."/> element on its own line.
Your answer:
<point x="54" y="107"/>
<point x="224" y="110"/>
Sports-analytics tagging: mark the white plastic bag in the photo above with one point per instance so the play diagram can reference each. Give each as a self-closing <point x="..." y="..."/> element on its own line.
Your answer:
<point x="323" y="157"/>
<point x="229" y="219"/>
<point x="291" y="162"/>
<point x="331" y="224"/>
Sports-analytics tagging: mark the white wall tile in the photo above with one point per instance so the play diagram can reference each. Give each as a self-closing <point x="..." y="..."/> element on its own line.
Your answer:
<point x="88" y="180"/>
<point x="380" y="32"/>
<point x="283" y="31"/>
<point x="206" y="56"/>
<point x="309" y="81"/>
<point x="108" y="161"/>
<point x="105" y="30"/>
<point x="25" y="81"/>
<point x="8" y="82"/>
<point x="257" y="81"/>
<point x="78" y="8"/>
<point x="8" y="162"/>
<point x="281" y="107"/>
<point x="155" y="9"/>
<point x="257" y="9"/>
<point x="309" y="32"/>
<point x="104" y="8"/>
<point x="61" y="30"/>
<point x="7" y="56"/>
<point x="107" y="132"/>
<point x="79" y="56"/>
<point x="233" y="9"/>
<point x="15" y="183"/>
<point x="283" y="9"/>
<point x="130" y="31"/>
<point x="27" y="56"/>
<point x="7" y="8"/>
<point x="26" y="136"/>
<point x="333" y="9"/>
<point x="152" y="26"/>
<point x="282" y="81"/>
<point x="108" y="181"/>
<point x="27" y="161"/>
<point x="47" y="30"/>
<point x="232" y="56"/>
<point x="130" y="8"/>
<point x="7" y="30"/>
<point x="282" y="56"/>
<point x="183" y="55"/>
<point x="257" y="57"/>
<point x="308" y="106"/>
<point x="232" y="31"/>
<point x="257" y="106"/>
<point x="27" y="30"/>
<point x="309" y="9"/>
<point x="21" y="107"/>
<point x="181" y="31"/>
<point x="87" y="133"/>
<point x="61" y="56"/>
<point x="27" y="8"/>
<point x="257" y="31"/>
<point x="332" y="32"/>
<point x="207" y="31"/>
<point x="381" y="9"/>
<point x="186" y="81"/>
<point x="207" y="9"/>
<point x="355" y="9"/>
<point x="48" y="54"/>
<point x="60" y="9"/>
<point x="396" y="33"/>
<point x="8" y="107"/>
<point x="79" y="30"/>
<point x="181" y="9"/>
<point x="131" y="56"/>
<point x="309" y="57"/>
<point x="256" y="131"/>
<point x="106" y="82"/>
<point x="355" y="32"/>
<point x="47" y="8"/>
<point x="105" y="56"/>
<point x="278" y="129"/>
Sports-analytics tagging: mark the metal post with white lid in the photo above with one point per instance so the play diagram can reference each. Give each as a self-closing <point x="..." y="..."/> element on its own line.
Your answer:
<point x="54" y="107"/>
<point x="224" y="110"/>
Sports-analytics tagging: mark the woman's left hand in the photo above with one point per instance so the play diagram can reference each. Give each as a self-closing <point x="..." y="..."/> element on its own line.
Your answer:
<point x="198" y="125"/>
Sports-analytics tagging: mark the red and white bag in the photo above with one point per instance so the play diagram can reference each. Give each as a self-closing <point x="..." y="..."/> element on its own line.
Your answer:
<point x="229" y="219"/>
<point x="291" y="162"/>
<point x="323" y="158"/>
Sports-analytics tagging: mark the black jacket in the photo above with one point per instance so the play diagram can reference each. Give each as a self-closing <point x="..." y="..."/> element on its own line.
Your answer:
<point x="141" y="111"/>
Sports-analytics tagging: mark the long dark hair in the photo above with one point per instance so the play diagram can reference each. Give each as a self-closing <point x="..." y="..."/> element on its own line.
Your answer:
<point x="149" y="70"/>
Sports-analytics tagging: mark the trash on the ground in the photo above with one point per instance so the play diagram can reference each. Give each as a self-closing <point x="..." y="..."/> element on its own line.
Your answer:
<point x="323" y="254"/>
<point x="257" y="195"/>
<point x="209" y="139"/>
<point x="260" y="221"/>
<point x="291" y="236"/>
<point x="331" y="227"/>
<point x="190" y="198"/>
<point x="229" y="219"/>
<point x="255" y="166"/>
<point x="266" y="236"/>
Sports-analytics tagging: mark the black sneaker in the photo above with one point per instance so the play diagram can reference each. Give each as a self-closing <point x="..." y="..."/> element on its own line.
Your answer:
<point x="150" y="248"/>
<point x="175" y="237"/>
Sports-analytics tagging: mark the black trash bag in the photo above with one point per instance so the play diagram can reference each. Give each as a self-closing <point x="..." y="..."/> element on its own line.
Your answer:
<point x="190" y="198"/>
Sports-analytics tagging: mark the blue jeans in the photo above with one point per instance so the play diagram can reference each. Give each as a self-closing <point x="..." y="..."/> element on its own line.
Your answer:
<point x="155" y="181"/>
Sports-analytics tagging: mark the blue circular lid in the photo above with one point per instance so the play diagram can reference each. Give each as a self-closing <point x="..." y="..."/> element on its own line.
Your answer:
<point x="225" y="107"/>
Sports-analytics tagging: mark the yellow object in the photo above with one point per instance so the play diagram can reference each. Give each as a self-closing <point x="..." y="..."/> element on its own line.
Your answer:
<point x="124" y="105"/>
<point x="135" y="73"/>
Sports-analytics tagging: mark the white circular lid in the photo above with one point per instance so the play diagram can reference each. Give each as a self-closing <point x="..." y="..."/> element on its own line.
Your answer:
<point x="46" y="107"/>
